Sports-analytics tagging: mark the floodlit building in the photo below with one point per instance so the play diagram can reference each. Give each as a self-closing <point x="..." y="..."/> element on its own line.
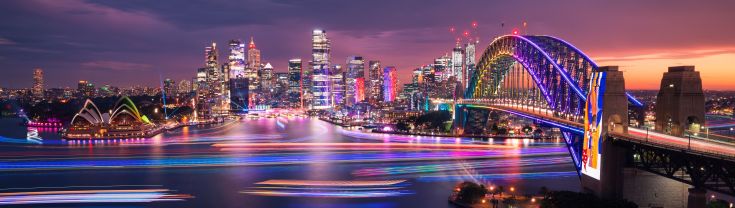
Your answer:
<point x="337" y="88"/>
<point x="254" y="66"/>
<point x="236" y="60"/>
<point x="239" y="95"/>
<point x="295" y="87"/>
<point x="456" y="63"/>
<point x="38" y="86"/>
<point x="390" y="83"/>
<point x="320" y="52"/>
<point x="375" y="83"/>
<point x="355" y="80"/>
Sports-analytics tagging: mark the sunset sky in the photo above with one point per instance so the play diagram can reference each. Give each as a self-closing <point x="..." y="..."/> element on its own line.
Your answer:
<point x="134" y="42"/>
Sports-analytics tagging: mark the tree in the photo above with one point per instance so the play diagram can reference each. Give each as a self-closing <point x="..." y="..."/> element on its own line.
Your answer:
<point x="402" y="126"/>
<point x="433" y="119"/>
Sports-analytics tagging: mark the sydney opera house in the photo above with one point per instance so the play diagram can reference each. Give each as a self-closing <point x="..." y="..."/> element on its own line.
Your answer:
<point x="122" y="121"/>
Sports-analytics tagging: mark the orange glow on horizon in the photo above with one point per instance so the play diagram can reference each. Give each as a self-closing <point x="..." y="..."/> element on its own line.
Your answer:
<point x="644" y="70"/>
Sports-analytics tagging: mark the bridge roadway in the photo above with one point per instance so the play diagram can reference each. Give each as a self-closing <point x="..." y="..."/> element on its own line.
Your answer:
<point x="693" y="145"/>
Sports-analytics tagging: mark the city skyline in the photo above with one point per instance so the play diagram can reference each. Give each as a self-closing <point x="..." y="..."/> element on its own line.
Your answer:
<point x="150" y="38"/>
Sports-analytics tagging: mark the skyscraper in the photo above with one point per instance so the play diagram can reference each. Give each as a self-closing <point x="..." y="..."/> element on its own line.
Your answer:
<point x="456" y="63"/>
<point x="267" y="78"/>
<point x="85" y="89"/>
<point x="253" y="55"/>
<point x="320" y="50"/>
<point x="38" y="88"/>
<point x="442" y="68"/>
<point x="295" y="68"/>
<point x="375" y="85"/>
<point x="170" y="89"/>
<point x="355" y="80"/>
<point x="251" y="72"/>
<point x="236" y="60"/>
<point x="337" y="88"/>
<point x="239" y="94"/>
<point x="390" y="83"/>
<point x="469" y="63"/>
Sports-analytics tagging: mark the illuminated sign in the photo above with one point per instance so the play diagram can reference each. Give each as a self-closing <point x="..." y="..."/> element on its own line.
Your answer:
<point x="591" y="146"/>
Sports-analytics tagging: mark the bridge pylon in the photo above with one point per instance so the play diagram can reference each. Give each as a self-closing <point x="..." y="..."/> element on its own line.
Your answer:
<point x="606" y="111"/>
<point x="680" y="102"/>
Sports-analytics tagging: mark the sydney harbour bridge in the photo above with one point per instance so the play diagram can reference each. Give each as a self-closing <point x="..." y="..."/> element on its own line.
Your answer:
<point x="553" y="83"/>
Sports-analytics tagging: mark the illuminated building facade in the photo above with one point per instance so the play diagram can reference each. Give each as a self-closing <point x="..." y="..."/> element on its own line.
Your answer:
<point x="236" y="60"/>
<point x="355" y="80"/>
<point x="469" y="62"/>
<point x="337" y="88"/>
<point x="375" y="84"/>
<point x="185" y="86"/>
<point x="122" y="121"/>
<point x="267" y="78"/>
<point x="295" y="88"/>
<point x="170" y="89"/>
<point x="253" y="67"/>
<point x="390" y="83"/>
<point x="442" y="68"/>
<point x="86" y="89"/>
<point x="239" y="94"/>
<point x="320" y="51"/>
<point x="38" y="87"/>
<point x="456" y="63"/>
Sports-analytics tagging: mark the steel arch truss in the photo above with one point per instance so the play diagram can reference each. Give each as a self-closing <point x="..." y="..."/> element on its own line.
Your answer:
<point x="701" y="171"/>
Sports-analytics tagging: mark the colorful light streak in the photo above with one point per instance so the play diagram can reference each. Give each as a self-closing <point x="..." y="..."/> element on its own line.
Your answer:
<point x="399" y="170"/>
<point x="361" y="145"/>
<point x="498" y="176"/>
<point x="329" y="194"/>
<point x="331" y="189"/>
<point x="266" y="159"/>
<point x="329" y="183"/>
<point x="90" y="196"/>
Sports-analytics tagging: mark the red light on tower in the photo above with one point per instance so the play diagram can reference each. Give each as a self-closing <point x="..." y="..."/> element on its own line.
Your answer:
<point x="451" y="29"/>
<point x="474" y="24"/>
<point x="466" y="33"/>
<point x="515" y="31"/>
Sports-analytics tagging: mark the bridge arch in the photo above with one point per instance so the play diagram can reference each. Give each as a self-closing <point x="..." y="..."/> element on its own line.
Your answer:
<point x="556" y="71"/>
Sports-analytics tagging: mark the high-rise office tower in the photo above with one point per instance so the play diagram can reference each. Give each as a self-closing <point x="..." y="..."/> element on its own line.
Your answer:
<point x="456" y="63"/>
<point x="295" y="68"/>
<point x="38" y="88"/>
<point x="469" y="61"/>
<point x="170" y="90"/>
<point x="253" y="55"/>
<point x="390" y="83"/>
<point x="253" y="67"/>
<point x="85" y="89"/>
<point x="267" y="78"/>
<point x="337" y="88"/>
<point x="442" y="68"/>
<point x="355" y="80"/>
<point x="239" y="94"/>
<point x="375" y="84"/>
<point x="236" y="60"/>
<point x="320" y="50"/>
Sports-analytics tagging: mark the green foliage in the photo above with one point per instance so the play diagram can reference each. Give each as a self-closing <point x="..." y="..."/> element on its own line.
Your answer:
<point x="470" y="193"/>
<point x="718" y="204"/>
<point x="433" y="119"/>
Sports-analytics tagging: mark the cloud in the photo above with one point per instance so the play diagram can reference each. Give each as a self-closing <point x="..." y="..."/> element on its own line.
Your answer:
<point x="678" y="54"/>
<point x="5" y="41"/>
<point x="116" y="66"/>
